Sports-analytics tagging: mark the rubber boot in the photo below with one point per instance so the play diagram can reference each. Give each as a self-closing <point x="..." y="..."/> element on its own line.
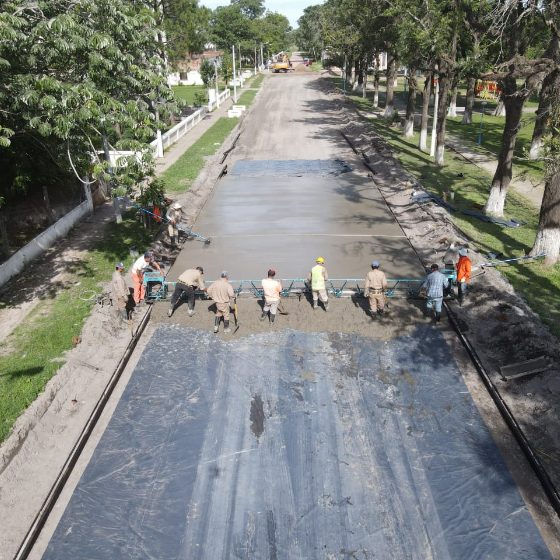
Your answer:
<point x="190" y="312"/>
<point x="380" y="311"/>
<point x="226" y="327"/>
<point x="315" y="305"/>
<point x="170" y="311"/>
<point x="327" y="306"/>
<point x="216" y="324"/>
<point x="263" y="316"/>
<point x="438" y="317"/>
<point x="272" y="317"/>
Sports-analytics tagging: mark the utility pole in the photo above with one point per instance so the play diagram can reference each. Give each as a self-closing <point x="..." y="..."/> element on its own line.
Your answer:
<point x="234" y="75"/>
<point x="434" y="121"/>
<point x="262" y="57"/>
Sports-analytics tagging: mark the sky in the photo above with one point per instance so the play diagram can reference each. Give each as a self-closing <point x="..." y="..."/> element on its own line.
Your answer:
<point x="292" y="9"/>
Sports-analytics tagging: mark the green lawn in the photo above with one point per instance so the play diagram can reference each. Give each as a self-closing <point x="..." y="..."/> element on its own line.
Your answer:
<point x="189" y="94"/>
<point x="539" y="285"/>
<point x="34" y="351"/>
<point x="180" y="176"/>
<point x="492" y="132"/>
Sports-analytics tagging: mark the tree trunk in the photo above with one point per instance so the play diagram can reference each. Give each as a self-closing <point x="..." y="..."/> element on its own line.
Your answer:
<point x="543" y="112"/>
<point x="410" y="104"/>
<point x="445" y="87"/>
<point x="425" y="108"/>
<point x="376" y="85"/>
<point x="500" y="110"/>
<point x="452" y="111"/>
<point x="364" y="82"/>
<point x="390" y="95"/>
<point x="548" y="232"/>
<point x="502" y="177"/>
<point x="4" y="234"/>
<point x="467" y="115"/>
<point x="46" y="200"/>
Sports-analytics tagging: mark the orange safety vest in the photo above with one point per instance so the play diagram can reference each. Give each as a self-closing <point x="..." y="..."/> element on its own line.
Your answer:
<point x="157" y="214"/>
<point x="463" y="269"/>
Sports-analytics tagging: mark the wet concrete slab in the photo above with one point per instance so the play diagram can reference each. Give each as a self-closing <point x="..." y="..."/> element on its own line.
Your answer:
<point x="287" y="221"/>
<point x="347" y="447"/>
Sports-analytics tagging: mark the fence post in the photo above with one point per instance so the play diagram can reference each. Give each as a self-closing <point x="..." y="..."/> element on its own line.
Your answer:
<point x="159" y="145"/>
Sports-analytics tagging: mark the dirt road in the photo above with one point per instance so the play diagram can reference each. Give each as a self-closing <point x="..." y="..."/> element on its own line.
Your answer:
<point x="325" y="435"/>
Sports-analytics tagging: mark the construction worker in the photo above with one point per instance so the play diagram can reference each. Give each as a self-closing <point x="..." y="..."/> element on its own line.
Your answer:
<point x="271" y="289"/>
<point x="318" y="277"/>
<point x="119" y="292"/>
<point x="434" y="285"/>
<point x="173" y="217"/>
<point x="141" y="265"/>
<point x="187" y="283"/>
<point x="376" y="284"/>
<point x="464" y="267"/>
<point x="221" y="291"/>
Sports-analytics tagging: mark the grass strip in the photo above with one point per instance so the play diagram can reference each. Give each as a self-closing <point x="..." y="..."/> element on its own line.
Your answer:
<point x="247" y="97"/>
<point x="180" y="176"/>
<point x="537" y="284"/>
<point x="34" y="352"/>
<point x="257" y="81"/>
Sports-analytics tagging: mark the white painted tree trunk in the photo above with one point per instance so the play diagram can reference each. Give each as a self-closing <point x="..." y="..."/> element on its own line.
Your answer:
<point x="452" y="110"/>
<point x="495" y="203"/>
<point x="547" y="242"/>
<point x="423" y="144"/>
<point x="409" y="127"/>
<point x="500" y="110"/>
<point x="536" y="148"/>
<point x="440" y="150"/>
<point x="376" y="98"/>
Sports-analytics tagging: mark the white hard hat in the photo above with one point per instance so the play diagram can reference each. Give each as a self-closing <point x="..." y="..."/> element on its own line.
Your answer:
<point x="176" y="206"/>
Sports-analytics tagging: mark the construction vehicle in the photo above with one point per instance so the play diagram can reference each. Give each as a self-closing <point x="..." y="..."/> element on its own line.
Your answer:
<point x="281" y="62"/>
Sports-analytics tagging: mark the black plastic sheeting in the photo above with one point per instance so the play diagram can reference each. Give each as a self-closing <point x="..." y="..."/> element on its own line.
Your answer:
<point x="290" y="167"/>
<point x="294" y="445"/>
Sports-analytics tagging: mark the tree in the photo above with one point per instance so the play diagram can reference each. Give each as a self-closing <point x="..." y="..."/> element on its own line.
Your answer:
<point x="229" y="26"/>
<point x="76" y="76"/>
<point x="273" y="29"/>
<point x="207" y="72"/>
<point x="309" y="33"/>
<point x="186" y="27"/>
<point x="547" y="240"/>
<point x="251" y="9"/>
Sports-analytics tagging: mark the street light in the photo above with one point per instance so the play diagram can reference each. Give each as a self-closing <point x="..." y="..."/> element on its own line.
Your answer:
<point x="480" y="130"/>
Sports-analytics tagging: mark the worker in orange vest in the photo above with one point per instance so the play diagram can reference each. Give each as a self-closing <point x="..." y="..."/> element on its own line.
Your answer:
<point x="464" y="267"/>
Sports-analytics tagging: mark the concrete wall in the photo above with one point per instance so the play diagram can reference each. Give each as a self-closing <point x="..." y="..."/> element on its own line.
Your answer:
<point x="35" y="248"/>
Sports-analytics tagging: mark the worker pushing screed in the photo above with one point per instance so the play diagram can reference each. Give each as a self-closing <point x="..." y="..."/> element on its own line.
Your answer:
<point x="271" y="288"/>
<point x="318" y="278"/>
<point x="374" y="288"/>
<point x="187" y="284"/>
<point x="221" y="291"/>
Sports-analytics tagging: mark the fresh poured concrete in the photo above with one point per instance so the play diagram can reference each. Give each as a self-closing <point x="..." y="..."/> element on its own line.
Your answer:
<point x="287" y="221"/>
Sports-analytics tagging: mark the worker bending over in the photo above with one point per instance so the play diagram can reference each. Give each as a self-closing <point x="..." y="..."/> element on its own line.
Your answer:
<point x="140" y="266"/>
<point x="221" y="291"/>
<point x="271" y="289"/>
<point x="187" y="283"/>
<point x="375" y="286"/>
<point x="318" y="278"/>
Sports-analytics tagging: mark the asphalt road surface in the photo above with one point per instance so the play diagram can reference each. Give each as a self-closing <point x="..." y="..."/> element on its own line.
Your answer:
<point x="303" y="442"/>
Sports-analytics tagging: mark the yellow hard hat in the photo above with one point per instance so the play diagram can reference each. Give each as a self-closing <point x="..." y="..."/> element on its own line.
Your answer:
<point x="320" y="260"/>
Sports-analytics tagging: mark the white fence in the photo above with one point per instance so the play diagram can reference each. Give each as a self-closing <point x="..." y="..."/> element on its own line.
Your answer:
<point x="177" y="132"/>
<point x="37" y="246"/>
<point x="217" y="101"/>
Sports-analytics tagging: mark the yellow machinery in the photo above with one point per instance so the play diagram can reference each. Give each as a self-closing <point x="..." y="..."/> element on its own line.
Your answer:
<point x="280" y="62"/>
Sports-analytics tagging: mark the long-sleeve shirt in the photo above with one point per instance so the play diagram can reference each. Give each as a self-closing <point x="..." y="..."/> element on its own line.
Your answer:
<point x="464" y="267"/>
<point x="376" y="280"/>
<point x="192" y="277"/>
<point x="435" y="283"/>
<point x="119" y="289"/>
<point x="221" y="291"/>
